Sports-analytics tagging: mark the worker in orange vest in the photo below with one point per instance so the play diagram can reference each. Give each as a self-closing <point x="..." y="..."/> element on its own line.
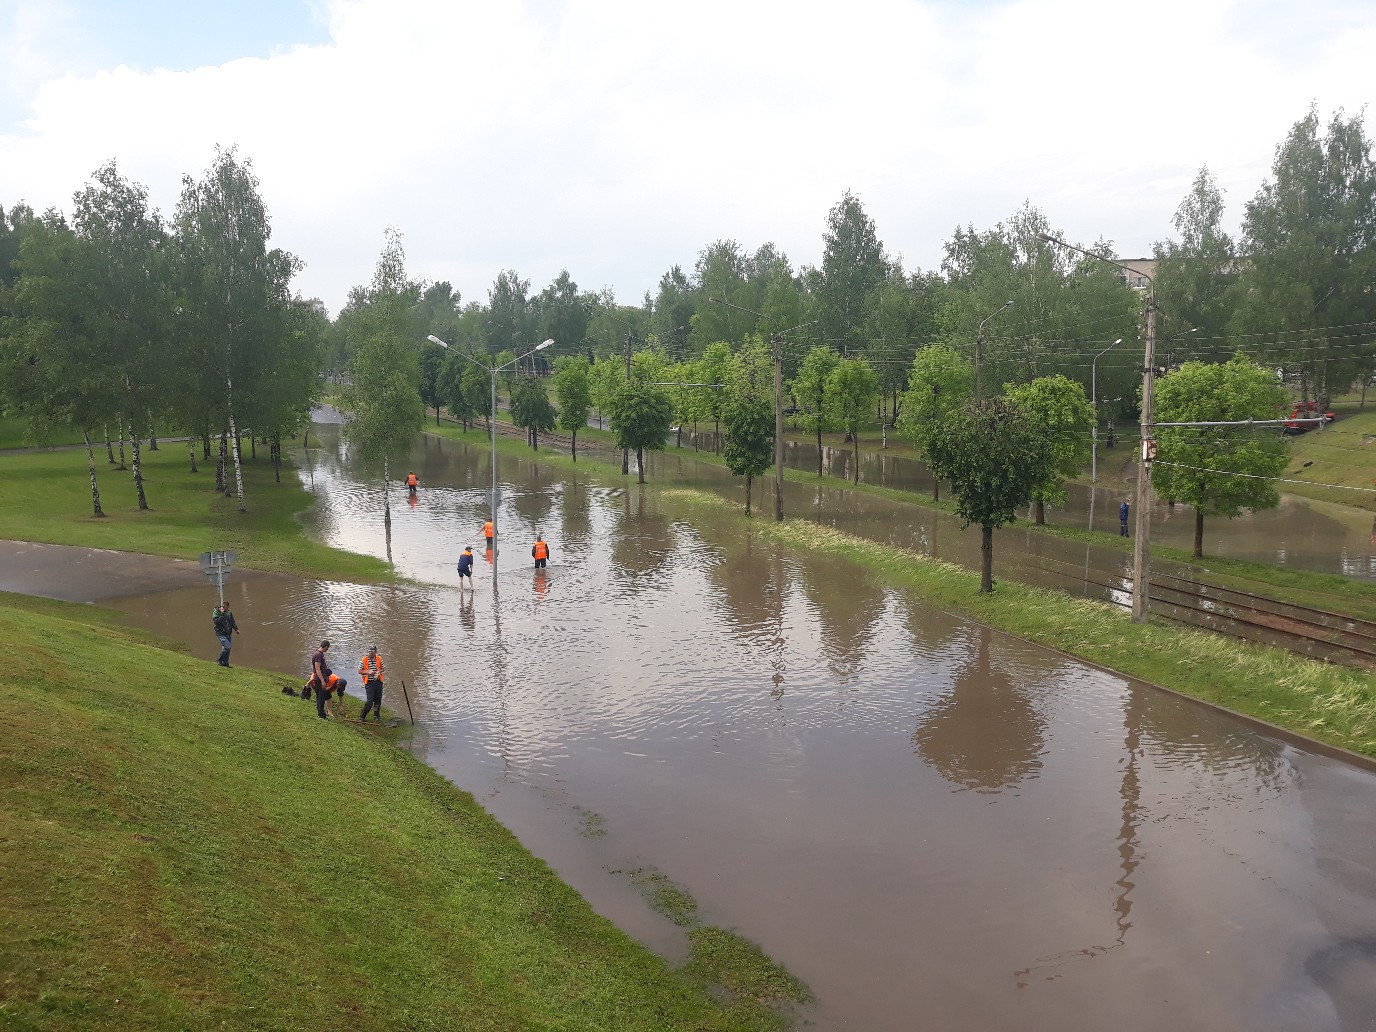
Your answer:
<point x="412" y="482"/>
<point x="540" y="551"/>
<point x="370" y="669"/>
<point x="333" y="694"/>
<point x="487" y="533"/>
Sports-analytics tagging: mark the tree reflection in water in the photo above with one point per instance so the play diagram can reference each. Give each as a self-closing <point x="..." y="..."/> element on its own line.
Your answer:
<point x="987" y="734"/>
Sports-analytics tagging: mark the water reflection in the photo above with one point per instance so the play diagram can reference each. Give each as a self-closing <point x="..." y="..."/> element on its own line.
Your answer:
<point x="986" y="734"/>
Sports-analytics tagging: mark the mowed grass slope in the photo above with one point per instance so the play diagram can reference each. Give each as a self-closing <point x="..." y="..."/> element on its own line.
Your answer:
<point x="186" y="848"/>
<point x="46" y="496"/>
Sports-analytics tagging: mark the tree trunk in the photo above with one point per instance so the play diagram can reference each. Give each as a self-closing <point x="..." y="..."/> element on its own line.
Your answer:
<point x="152" y="434"/>
<point x="1198" y="532"/>
<point x="121" y="444"/>
<point x="936" y="488"/>
<point x="220" y="463"/>
<point x="856" y="435"/>
<point x="138" y="477"/>
<point x="748" y="479"/>
<point x="819" y="448"/>
<point x="387" y="506"/>
<point x="253" y="447"/>
<point x="109" y="447"/>
<point x="640" y="463"/>
<point x="625" y="461"/>
<point x="205" y="446"/>
<point x="986" y="560"/>
<point x="573" y="445"/>
<point x="191" y="447"/>
<point x="437" y="415"/>
<point x="234" y="433"/>
<point x="1039" y="512"/>
<point x="277" y="460"/>
<point x="96" y="510"/>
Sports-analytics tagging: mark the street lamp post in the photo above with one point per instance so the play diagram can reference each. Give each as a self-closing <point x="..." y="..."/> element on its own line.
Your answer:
<point x="1141" y="544"/>
<point x="1094" y="401"/>
<point x="979" y="347"/>
<point x="492" y="423"/>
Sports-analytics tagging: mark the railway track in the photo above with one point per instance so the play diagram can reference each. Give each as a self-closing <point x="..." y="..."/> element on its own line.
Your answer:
<point x="1332" y="637"/>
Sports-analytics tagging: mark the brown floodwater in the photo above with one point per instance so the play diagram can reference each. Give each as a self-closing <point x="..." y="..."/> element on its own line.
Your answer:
<point x="1298" y="533"/>
<point x="934" y="825"/>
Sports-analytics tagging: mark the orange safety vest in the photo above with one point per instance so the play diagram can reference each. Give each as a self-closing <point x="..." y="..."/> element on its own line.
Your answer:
<point x="487" y="529"/>
<point x="411" y="480"/>
<point x="334" y="684"/>
<point x="363" y="668"/>
<point x="540" y="551"/>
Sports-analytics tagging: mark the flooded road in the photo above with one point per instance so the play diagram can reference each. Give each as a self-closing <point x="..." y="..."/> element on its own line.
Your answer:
<point x="1299" y="533"/>
<point x="934" y="825"/>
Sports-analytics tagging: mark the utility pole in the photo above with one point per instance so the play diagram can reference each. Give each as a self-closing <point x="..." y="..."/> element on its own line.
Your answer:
<point x="778" y="426"/>
<point x="1141" y="544"/>
<point x="1142" y="524"/>
<point x="626" y="452"/>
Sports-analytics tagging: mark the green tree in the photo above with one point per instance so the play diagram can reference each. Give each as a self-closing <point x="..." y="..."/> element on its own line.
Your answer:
<point x="939" y="382"/>
<point x="1056" y="299"/>
<point x="510" y="320"/>
<point x="810" y="389"/>
<point x="1309" y="235"/>
<point x="531" y="409"/>
<point x="854" y="267"/>
<point x="1194" y="277"/>
<point x="573" y="389"/>
<point x="382" y="398"/>
<point x="55" y="363"/>
<point x="235" y="291"/>
<point x="640" y="419"/>
<point x="1219" y="470"/>
<point x="1060" y="407"/>
<point x="749" y="446"/>
<point x="994" y="455"/>
<point x="852" y="389"/>
<point x="561" y="312"/>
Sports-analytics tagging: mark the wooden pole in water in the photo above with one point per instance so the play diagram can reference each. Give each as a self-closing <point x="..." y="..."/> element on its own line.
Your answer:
<point x="405" y="695"/>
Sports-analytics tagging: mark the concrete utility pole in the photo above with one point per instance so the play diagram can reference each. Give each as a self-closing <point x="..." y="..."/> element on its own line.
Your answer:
<point x="779" y="427"/>
<point x="626" y="452"/>
<point x="1141" y="544"/>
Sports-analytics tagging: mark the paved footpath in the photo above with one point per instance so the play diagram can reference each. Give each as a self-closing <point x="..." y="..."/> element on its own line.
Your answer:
<point x="76" y="574"/>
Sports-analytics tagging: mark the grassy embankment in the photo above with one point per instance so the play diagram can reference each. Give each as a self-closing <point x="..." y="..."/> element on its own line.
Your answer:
<point x="186" y="848"/>
<point x="1330" y="704"/>
<point x="46" y="496"/>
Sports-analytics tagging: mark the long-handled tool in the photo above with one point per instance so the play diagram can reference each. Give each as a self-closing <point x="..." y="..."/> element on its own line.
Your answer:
<point x="406" y="695"/>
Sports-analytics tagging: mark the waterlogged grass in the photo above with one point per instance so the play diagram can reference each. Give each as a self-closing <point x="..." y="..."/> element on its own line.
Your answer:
<point x="46" y="496"/>
<point x="1329" y="703"/>
<point x="721" y="958"/>
<point x="186" y="848"/>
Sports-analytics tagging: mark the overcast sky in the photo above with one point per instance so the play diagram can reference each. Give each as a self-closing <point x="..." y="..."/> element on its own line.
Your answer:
<point x="618" y="138"/>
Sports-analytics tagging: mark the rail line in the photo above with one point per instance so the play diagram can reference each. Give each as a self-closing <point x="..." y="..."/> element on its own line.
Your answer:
<point x="1317" y="633"/>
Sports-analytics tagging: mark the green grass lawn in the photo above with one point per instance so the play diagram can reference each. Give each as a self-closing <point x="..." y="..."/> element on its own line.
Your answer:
<point x="46" y="496"/>
<point x="186" y="848"/>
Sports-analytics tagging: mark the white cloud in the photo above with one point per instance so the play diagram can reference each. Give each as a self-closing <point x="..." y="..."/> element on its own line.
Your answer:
<point x="617" y="139"/>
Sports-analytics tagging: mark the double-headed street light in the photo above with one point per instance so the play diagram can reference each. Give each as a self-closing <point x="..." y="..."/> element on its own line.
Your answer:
<point x="1094" y="401"/>
<point x="492" y="422"/>
<point x="1141" y="544"/>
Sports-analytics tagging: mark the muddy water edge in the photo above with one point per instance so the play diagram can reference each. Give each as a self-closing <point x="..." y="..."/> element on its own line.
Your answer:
<point x="933" y="825"/>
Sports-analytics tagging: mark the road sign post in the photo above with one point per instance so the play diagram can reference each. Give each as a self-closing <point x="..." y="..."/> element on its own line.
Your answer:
<point x="217" y="566"/>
